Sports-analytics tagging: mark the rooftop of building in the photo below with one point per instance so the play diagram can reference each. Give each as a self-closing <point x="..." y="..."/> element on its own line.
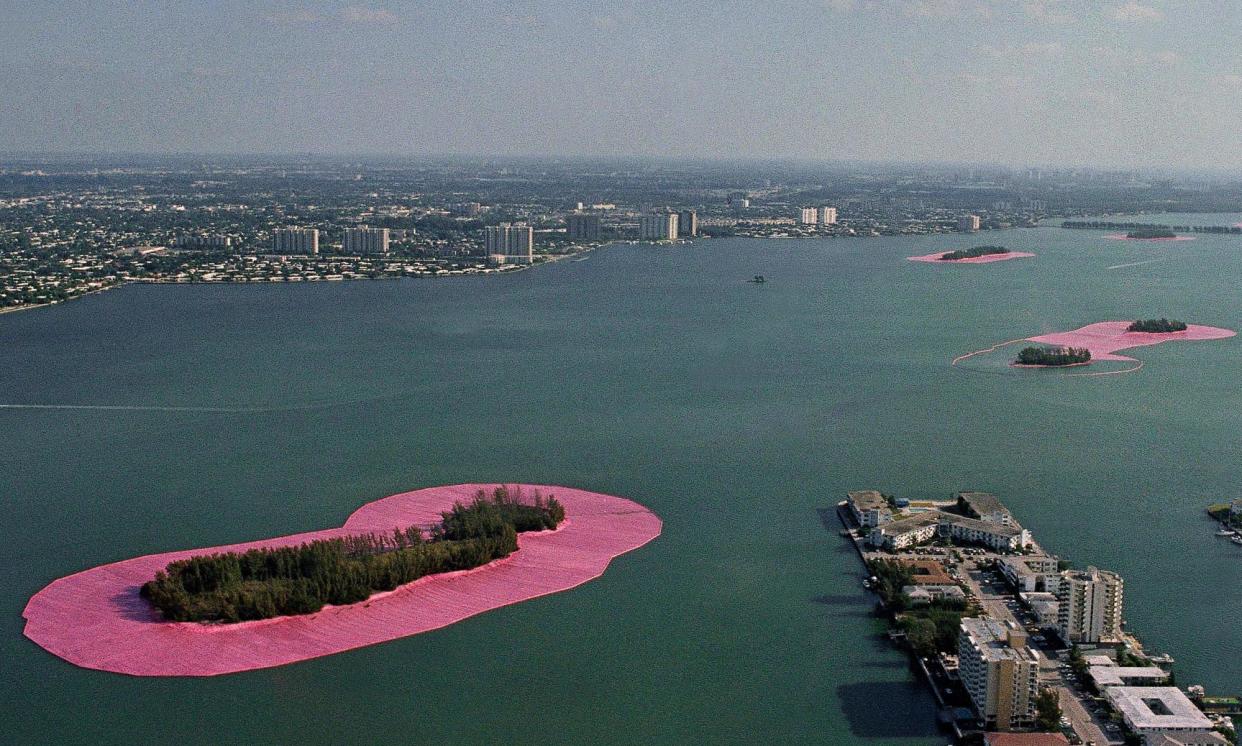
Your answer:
<point x="867" y="499"/>
<point x="1024" y="739"/>
<point x="928" y="572"/>
<point x="1177" y="739"/>
<point x="1156" y="707"/>
<point x="1114" y="675"/>
<point x="932" y="517"/>
<point x="982" y="503"/>
<point x="998" y="641"/>
<point x="1091" y="573"/>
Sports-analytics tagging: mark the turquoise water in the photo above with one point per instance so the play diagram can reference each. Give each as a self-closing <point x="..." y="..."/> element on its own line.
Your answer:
<point x="735" y="411"/>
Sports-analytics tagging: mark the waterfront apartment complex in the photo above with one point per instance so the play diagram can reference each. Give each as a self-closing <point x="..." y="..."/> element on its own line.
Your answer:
<point x="827" y="215"/>
<point x="661" y="226"/>
<point x="688" y="223"/>
<point x="365" y="240"/>
<point x="1089" y="606"/>
<point x="869" y="508"/>
<point x="514" y="241"/>
<point x="583" y="227"/>
<point x="808" y="216"/>
<point x="1000" y="672"/>
<point x="296" y="241"/>
<point x="203" y="242"/>
<point x="968" y="223"/>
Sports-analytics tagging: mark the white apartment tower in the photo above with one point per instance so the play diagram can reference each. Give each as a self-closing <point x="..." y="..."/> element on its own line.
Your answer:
<point x="827" y="215"/>
<point x="296" y="241"/>
<point x="365" y="240"/>
<point x="1000" y="672"/>
<point x="808" y="216"/>
<point x="968" y="223"/>
<point x="1089" y="606"/>
<point x="514" y="241"/>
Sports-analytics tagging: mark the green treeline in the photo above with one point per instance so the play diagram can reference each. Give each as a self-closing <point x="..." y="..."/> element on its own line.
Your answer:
<point x="1157" y="326"/>
<point x="269" y="582"/>
<point x="1127" y="226"/>
<point x="929" y="628"/>
<point x="1151" y="232"/>
<point x="972" y="253"/>
<point x="1053" y="356"/>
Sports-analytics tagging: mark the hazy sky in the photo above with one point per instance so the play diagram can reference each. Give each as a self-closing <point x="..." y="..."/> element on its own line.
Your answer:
<point x="1136" y="83"/>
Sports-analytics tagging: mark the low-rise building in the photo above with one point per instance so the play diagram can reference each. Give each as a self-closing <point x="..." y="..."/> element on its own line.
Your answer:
<point x="1186" y="739"/>
<point x="1106" y="676"/>
<point x="1031" y="574"/>
<point x="999" y="671"/>
<point x="984" y="506"/>
<point x="869" y="507"/>
<point x="1043" y="605"/>
<point x="925" y="594"/>
<point x="1155" y="711"/>
<point x="1024" y="739"/>
<point x="922" y="527"/>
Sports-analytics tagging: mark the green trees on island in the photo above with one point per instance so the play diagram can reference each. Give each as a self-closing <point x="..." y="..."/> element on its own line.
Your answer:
<point x="972" y="253"/>
<point x="1157" y="326"/>
<point x="268" y="582"/>
<point x="1152" y="231"/>
<point x="1054" y="356"/>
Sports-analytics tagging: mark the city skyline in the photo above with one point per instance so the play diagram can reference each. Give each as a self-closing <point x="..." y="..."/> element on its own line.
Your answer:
<point x="1147" y="85"/>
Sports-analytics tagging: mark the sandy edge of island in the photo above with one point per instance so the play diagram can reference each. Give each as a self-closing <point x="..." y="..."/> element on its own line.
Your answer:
<point x="96" y="619"/>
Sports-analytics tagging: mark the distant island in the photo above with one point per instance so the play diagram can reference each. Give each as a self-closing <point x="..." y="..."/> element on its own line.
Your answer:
<point x="1054" y="356"/>
<point x="1157" y="326"/>
<point x="977" y="251"/>
<point x="1151" y="232"/>
<point x="270" y="582"/>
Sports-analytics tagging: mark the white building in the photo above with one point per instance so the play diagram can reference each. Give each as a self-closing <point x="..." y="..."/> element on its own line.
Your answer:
<point x="659" y="227"/>
<point x="1030" y="574"/>
<point x="827" y="215"/>
<point x="926" y="526"/>
<point x="514" y="241"/>
<point x="999" y="671"/>
<point x="365" y="240"/>
<point x="869" y="508"/>
<point x="296" y="241"/>
<point x="808" y="216"/>
<point x="1106" y="676"/>
<point x="688" y="223"/>
<point x="1155" y="711"/>
<point x="968" y="223"/>
<point x="1090" y="604"/>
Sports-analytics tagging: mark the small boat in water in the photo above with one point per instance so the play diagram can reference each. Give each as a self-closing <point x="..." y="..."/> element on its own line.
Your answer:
<point x="1237" y="540"/>
<point x="1226" y="532"/>
<point x="758" y="279"/>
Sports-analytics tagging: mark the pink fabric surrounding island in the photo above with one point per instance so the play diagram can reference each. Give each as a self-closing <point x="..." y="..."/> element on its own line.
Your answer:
<point x="985" y="259"/>
<point x="1106" y="337"/>
<point x="96" y="619"/>
<point x="1124" y="237"/>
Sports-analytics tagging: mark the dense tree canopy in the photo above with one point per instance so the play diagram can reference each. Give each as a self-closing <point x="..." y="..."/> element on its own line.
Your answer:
<point x="1157" y="326"/>
<point x="972" y="253"/>
<point x="1054" y="356"/>
<point x="268" y="582"/>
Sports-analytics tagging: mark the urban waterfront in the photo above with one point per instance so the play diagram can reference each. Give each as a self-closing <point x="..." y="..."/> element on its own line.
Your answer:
<point x="739" y="413"/>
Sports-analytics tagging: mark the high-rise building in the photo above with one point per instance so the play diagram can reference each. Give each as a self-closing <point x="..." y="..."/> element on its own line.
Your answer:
<point x="1000" y="672"/>
<point x="808" y="216"/>
<point x="514" y="241"/>
<point x="688" y="223"/>
<point x="583" y="227"/>
<point x="1089" y="606"/>
<point x="203" y="242"/>
<point x="296" y="241"/>
<point x="968" y="223"/>
<point x="365" y="240"/>
<point x="661" y="226"/>
<point x="827" y="215"/>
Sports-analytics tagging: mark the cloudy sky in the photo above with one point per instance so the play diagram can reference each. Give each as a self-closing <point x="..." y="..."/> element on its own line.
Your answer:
<point x="1102" y="82"/>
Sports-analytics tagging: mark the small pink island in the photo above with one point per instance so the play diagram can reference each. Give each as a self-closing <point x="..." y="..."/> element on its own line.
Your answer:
<point x="1105" y="338"/>
<point x="985" y="259"/>
<point x="1124" y="237"/>
<point x="96" y="618"/>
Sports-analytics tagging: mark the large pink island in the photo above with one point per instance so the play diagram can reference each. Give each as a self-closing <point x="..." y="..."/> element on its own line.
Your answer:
<point x="1105" y="338"/>
<point x="96" y="619"/>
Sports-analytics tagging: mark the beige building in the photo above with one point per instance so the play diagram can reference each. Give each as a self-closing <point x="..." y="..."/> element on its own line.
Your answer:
<point x="365" y="240"/>
<point x="1089" y="606"/>
<point x="296" y="241"/>
<point x="1000" y="672"/>
<point x="514" y="241"/>
<point x="827" y="215"/>
<point x="968" y="223"/>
